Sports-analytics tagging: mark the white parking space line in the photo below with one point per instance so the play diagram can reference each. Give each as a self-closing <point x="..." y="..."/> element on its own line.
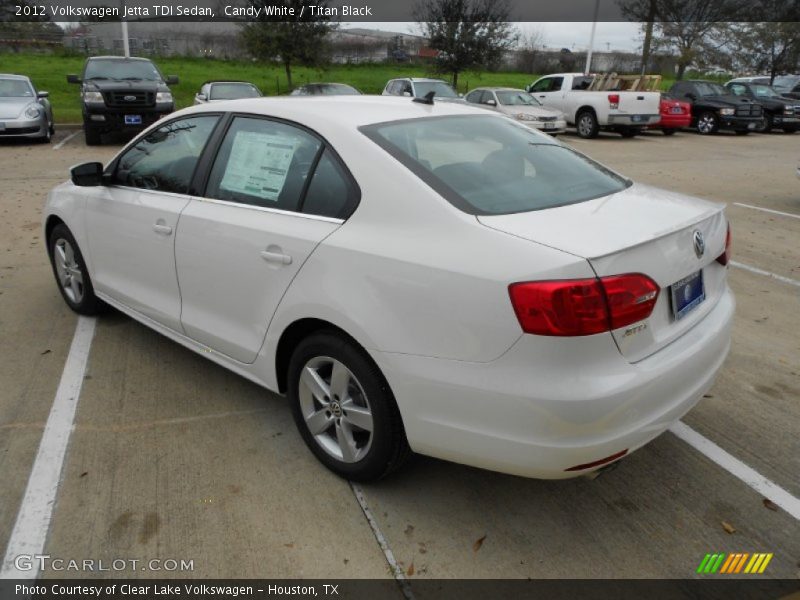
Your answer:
<point x="767" y="210"/>
<point x="734" y="466"/>
<point x="60" y="144"/>
<point x="397" y="571"/>
<point x="758" y="271"/>
<point x="36" y="510"/>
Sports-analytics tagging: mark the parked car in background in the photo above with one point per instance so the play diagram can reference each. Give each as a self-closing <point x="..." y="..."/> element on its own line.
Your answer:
<point x="419" y="87"/>
<point x="787" y="85"/>
<point x="779" y="112"/>
<point x="624" y="112"/>
<point x="426" y="278"/>
<point x="519" y="105"/>
<point x="762" y="79"/>
<point x="24" y="111"/>
<point x="214" y="91"/>
<point x="121" y="94"/>
<point x="325" y="89"/>
<point x="675" y="114"/>
<point x="715" y="108"/>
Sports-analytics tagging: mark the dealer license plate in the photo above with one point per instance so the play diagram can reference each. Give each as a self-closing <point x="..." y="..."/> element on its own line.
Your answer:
<point x="549" y="125"/>
<point x="687" y="294"/>
<point x="133" y="119"/>
<point x="675" y="110"/>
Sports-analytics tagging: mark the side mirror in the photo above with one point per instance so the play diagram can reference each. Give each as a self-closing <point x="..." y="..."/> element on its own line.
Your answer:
<point x="87" y="174"/>
<point x="73" y="79"/>
<point x="172" y="80"/>
<point x="43" y="94"/>
<point x="491" y="102"/>
<point x="201" y="97"/>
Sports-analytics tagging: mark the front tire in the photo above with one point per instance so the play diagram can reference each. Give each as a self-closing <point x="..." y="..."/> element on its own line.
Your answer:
<point x="765" y="125"/>
<point x="707" y="123"/>
<point x="71" y="273"/>
<point x="344" y="409"/>
<point x="586" y="125"/>
<point x="91" y="135"/>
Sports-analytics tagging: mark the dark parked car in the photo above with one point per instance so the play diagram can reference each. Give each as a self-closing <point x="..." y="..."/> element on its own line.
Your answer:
<point x="121" y="94"/>
<point x="715" y="108"/>
<point x="779" y="112"/>
<point x="325" y="89"/>
<point x="787" y="85"/>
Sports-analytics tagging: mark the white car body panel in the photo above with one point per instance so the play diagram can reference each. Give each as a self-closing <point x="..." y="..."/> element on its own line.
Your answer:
<point x="213" y="236"/>
<point x="423" y="288"/>
<point x="131" y="260"/>
<point x="632" y="105"/>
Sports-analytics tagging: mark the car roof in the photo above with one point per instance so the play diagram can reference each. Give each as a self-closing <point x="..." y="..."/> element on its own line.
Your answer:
<point x="13" y="76"/>
<point x="498" y="89"/>
<point x="323" y="112"/>
<point x="213" y="81"/>
<point x="121" y="58"/>
<point x="326" y="83"/>
<point x="417" y="79"/>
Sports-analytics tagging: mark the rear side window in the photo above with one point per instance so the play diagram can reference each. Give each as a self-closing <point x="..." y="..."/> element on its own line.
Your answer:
<point x="263" y="163"/>
<point x="166" y="157"/>
<point x="486" y="165"/>
<point x="331" y="192"/>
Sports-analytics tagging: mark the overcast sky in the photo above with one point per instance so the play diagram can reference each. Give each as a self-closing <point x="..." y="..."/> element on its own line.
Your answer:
<point x="614" y="36"/>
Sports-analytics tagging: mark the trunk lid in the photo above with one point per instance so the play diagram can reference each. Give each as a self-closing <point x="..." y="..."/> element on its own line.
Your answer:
<point x="638" y="230"/>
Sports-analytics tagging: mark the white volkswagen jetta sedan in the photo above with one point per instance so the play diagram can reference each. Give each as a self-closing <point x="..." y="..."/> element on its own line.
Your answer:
<point x="414" y="277"/>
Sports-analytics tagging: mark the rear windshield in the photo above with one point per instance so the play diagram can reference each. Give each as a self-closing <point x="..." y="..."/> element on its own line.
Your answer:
<point x="441" y="89"/>
<point x="487" y="165"/>
<point x="233" y="91"/>
<point x="121" y="69"/>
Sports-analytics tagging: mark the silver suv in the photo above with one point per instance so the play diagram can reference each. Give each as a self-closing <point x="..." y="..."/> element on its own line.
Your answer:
<point x="419" y="87"/>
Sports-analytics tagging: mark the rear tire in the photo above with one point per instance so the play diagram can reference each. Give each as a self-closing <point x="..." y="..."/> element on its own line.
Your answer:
<point x="336" y="390"/>
<point x="71" y="273"/>
<point x="91" y="135"/>
<point x="586" y="124"/>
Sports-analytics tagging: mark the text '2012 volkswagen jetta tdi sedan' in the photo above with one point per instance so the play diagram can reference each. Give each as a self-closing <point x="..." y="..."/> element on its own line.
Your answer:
<point x="414" y="276"/>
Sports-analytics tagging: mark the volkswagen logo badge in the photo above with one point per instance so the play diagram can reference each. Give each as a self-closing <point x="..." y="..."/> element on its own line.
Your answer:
<point x="130" y="98"/>
<point x="699" y="243"/>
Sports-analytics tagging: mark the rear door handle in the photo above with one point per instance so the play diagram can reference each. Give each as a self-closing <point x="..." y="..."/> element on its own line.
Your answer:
<point x="276" y="257"/>
<point x="162" y="228"/>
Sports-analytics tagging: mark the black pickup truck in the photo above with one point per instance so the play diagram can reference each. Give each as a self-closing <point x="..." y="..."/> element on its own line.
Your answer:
<point x="121" y="94"/>
<point x="715" y="108"/>
<point x="779" y="112"/>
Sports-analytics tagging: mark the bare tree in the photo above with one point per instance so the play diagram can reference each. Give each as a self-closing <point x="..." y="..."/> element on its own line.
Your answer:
<point x="771" y="48"/>
<point x="530" y="46"/>
<point x="468" y="34"/>
<point x="300" y="40"/>
<point x="688" y="28"/>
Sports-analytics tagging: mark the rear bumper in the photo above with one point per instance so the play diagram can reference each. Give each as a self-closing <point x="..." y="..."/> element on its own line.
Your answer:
<point x="549" y="404"/>
<point x="673" y="122"/>
<point x="633" y="120"/>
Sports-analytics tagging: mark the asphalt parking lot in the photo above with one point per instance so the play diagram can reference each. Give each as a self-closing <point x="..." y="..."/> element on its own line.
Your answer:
<point x="172" y="457"/>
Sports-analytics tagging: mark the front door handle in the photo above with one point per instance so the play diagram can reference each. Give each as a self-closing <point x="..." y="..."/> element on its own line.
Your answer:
<point x="276" y="257"/>
<point x="162" y="228"/>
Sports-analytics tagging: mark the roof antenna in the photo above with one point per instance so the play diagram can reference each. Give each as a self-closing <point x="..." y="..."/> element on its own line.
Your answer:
<point x="428" y="99"/>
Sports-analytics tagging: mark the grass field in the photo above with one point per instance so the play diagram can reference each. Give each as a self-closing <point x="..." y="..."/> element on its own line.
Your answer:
<point x="48" y="72"/>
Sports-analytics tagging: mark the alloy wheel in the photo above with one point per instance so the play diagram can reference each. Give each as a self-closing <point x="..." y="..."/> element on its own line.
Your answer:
<point x="585" y="125"/>
<point x="69" y="272"/>
<point x="335" y="409"/>
<point x="706" y="124"/>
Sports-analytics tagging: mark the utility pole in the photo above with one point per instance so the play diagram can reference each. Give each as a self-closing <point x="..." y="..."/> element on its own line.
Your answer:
<point x="125" y="43"/>
<point x="591" y="38"/>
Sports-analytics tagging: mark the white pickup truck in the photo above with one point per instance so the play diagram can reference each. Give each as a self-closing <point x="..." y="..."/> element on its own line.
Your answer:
<point x="625" y="112"/>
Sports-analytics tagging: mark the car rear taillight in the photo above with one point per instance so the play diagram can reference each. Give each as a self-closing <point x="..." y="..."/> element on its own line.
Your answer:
<point x="613" y="100"/>
<point x="576" y="307"/>
<point x="725" y="257"/>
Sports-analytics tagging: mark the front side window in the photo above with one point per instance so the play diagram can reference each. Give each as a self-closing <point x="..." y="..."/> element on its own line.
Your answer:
<point x="738" y="89"/>
<point x="474" y="97"/>
<point x="486" y="165"/>
<point x="165" y="158"/>
<point x="263" y="163"/>
<point x="517" y="99"/>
